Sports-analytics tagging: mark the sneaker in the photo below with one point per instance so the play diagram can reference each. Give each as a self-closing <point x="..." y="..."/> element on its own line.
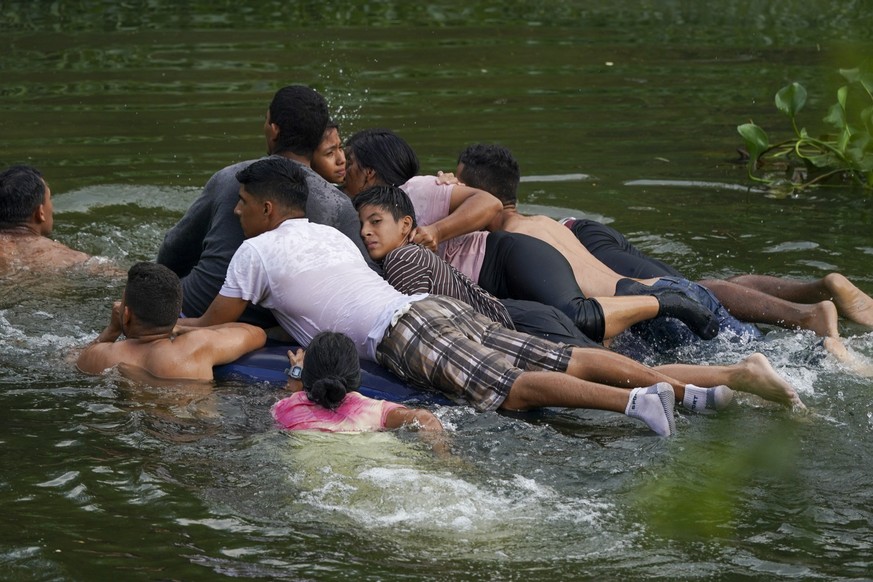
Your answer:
<point x="706" y="400"/>
<point x="654" y="406"/>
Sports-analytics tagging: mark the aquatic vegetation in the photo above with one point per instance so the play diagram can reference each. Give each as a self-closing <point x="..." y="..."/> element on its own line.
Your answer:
<point x="846" y="154"/>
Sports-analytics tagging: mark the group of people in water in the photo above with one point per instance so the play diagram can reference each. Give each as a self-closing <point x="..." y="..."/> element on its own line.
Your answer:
<point x="346" y="250"/>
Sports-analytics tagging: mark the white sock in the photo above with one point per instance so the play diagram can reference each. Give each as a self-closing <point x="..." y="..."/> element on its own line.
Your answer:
<point x="706" y="400"/>
<point x="654" y="406"/>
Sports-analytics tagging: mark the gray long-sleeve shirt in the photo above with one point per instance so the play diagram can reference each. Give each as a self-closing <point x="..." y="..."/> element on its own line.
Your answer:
<point x="199" y="247"/>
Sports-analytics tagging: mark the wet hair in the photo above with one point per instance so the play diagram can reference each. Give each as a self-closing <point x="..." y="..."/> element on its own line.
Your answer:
<point x="302" y="116"/>
<point x="154" y="294"/>
<point x="492" y="168"/>
<point x="22" y="190"/>
<point x="331" y="369"/>
<point x="384" y="152"/>
<point x="278" y="179"/>
<point x="389" y="198"/>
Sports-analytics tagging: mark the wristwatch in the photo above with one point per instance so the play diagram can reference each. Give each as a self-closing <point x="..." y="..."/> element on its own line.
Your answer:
<point x="295" y="372"/>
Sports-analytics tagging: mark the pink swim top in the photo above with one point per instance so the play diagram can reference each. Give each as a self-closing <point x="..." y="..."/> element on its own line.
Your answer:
<point x="357" y="413"/>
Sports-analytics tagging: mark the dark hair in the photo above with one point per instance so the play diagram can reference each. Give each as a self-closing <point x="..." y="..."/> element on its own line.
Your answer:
<point x="278" y="179"/>
<point x="492" y="168"/>
<point x="388" y="198"/>
<point x="301" y="114"/>
<point x="22" y="190"/>
<point x="154" y="294"/>
<point x="384" y="152"/>
<point x="331" y="369"/>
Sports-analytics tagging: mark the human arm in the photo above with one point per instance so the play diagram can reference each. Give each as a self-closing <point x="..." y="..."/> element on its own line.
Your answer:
<point x="470" y="209"/>
<point x="229" y="341"/>
<point x="223" y="309"/>
<point x="182" y="244"/>
<point x="295" y="359"/>
<point x="93" y="359"/>
<point x="431" y="428"/>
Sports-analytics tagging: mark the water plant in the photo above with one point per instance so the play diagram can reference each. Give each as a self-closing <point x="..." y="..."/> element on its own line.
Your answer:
<point x="846" y="154"/>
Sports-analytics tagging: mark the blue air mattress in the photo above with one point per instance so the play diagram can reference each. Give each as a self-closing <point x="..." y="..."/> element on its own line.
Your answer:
<point x="269" y="363"/>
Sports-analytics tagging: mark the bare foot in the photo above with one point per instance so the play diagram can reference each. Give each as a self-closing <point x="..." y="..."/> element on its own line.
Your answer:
<point x="822" y="318"/>
<point x="757" y="376"/>
<point x="841" y="353"/>
<point x="851" y="302"/>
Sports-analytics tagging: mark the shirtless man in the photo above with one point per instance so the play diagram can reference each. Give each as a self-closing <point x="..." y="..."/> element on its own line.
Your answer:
<point x="152" y="351"/>
<point x="26" y="220"/>
<point x="755" y="298"/>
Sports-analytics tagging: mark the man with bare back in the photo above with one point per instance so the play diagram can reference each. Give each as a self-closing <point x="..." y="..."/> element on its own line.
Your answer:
<point x="152" y="352"/>
<point x="26" y="221"/>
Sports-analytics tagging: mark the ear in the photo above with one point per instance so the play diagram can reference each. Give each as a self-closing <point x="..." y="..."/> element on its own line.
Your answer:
<point x="268" y="207"/>
<point x="272" y="135"/>
<point x="406" y="225"/>
<point x="39" y="215"/>
<point x="369" y="177"/>
<point x="126" y="316"/>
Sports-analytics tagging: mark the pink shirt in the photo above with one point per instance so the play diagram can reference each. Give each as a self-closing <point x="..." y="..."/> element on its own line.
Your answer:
<point x="432" y="202"/>
<point x="357" y="413"/>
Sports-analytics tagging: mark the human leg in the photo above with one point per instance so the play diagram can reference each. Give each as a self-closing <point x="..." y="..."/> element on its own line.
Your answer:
<point x="524" y="267"/>
<point x="652" y="405"/>
<point x="612" y="248"/>
<point x="750" y="304"/>
<point x="754" y="375"/>
<point x="442" y="343"/>
<point x="851" y="302"/>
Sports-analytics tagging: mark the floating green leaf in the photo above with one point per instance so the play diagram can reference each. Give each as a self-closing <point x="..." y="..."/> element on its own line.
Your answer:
<point x="791" y="99"/>
<point x="756" y="140"/>
<point x="806" y="160"/>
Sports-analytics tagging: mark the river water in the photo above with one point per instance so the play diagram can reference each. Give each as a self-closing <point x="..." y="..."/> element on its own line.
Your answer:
<point x="624" y="112"/>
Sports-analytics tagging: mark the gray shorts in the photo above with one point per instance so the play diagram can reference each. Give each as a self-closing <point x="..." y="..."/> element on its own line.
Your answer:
<point x="442" y="343"/>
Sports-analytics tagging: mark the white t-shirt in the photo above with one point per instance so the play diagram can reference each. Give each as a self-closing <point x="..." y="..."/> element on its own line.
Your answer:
<point x="432" y="202"/>
<point x="313" y="279"/>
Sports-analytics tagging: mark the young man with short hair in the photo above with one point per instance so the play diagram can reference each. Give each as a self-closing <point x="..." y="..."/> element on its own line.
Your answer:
<point x="151" y="350"/>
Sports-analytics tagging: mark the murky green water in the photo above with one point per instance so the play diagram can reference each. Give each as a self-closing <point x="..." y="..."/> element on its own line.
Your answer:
<point x="129" y="107"/>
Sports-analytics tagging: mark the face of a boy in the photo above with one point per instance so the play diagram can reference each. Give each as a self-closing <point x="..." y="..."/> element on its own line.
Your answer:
<point x="380" y="232"/>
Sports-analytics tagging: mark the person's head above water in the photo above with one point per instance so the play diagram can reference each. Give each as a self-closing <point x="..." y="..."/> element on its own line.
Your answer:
<point x="153" y="294"/>
<point x="378" y="156"/>
<point x="492" y="168"/>
<point x="25" y="201"/>
<point x="272" y="190"/>
<point x="329" y="159"/>
<point x="387" y="217"/>
<point x="331" y="369"/>
<point x="295" y="122"/>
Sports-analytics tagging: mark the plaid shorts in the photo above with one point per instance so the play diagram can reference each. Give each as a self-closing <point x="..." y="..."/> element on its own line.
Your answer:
<point x="444" y="344"/>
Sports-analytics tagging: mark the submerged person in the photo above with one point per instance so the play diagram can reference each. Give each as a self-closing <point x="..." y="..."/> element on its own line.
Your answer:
<point x="151" y="350"/>
<point x="26" y="223"/>
<point x="321" y="283"/>
<point x="199" y="247"/>
<point x="325" y="380"/>
<point x="507" y="265"/>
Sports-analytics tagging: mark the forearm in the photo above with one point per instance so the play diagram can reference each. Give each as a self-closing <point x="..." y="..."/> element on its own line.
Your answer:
<point x="475" y="211"/>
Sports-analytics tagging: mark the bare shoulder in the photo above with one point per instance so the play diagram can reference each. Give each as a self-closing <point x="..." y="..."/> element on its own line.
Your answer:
<point x="39" y="253"/>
